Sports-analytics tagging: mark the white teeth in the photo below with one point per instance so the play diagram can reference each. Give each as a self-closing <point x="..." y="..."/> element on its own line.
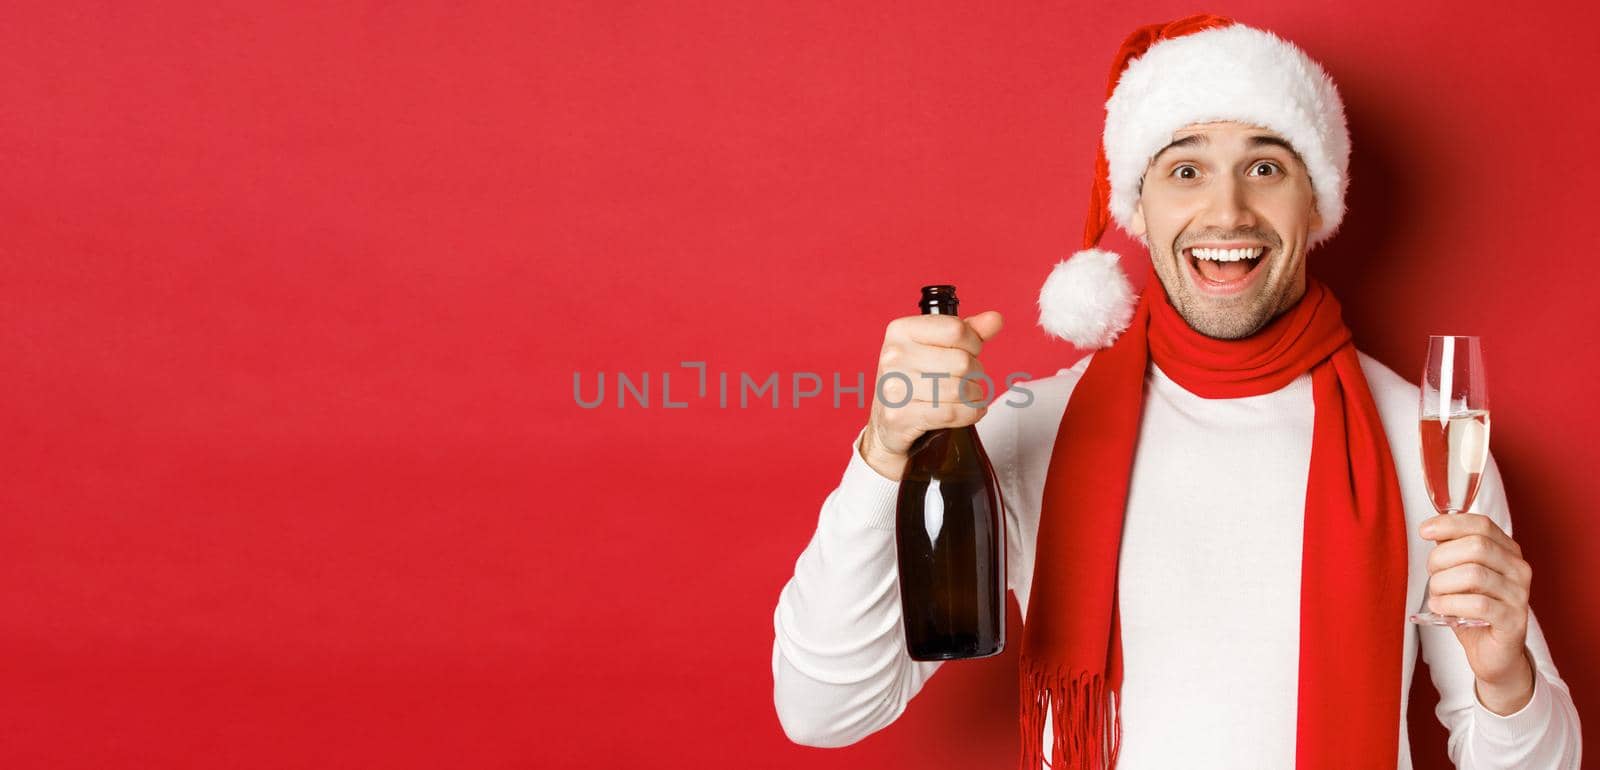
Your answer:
<point x="1226" y="255"/>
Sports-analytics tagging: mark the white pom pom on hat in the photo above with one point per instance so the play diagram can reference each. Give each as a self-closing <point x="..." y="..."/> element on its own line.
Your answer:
<point x="1198" y="69"/>
<point x="1087" y="300"/>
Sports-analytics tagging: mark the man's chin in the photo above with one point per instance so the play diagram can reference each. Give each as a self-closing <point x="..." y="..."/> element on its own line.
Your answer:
<point x="1237" y="321"/>
<point x="1229" y="317"/>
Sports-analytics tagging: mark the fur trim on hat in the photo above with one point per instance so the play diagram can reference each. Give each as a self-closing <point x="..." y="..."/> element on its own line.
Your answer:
<point x="1233" y="73"/>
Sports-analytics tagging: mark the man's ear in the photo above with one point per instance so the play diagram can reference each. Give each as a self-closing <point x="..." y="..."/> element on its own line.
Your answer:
<point x="1137" y="221"/>
<point x="1316" y="216"/>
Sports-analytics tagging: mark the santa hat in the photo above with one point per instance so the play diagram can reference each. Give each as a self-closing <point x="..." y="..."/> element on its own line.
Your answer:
<point x="1166" y="76"/>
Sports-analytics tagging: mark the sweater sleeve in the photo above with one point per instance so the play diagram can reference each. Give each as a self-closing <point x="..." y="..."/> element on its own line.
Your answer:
<point x="840" y="670"/>
<point x="1545" y="732"/>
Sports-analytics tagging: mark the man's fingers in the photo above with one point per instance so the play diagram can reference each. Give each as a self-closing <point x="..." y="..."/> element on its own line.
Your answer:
<point x="952" y="415"/>
<point x="986" y="324"/>
<point x="928" y="362"/>
<point x="925" y="368"/>
<point x="1479" y="549"/>
<point x="1449" y="526"/>
<point x="1507" y="618"/>
<point x="943" y="391"/>
<point x="940" y="331"/>
<point x="1476" y="606"/>
<point x="940" y="391"/>
<point x="945" y="331"/>
<point x="1477" y="579"/>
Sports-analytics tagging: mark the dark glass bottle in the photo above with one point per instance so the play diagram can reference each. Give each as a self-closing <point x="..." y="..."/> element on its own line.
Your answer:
<point x="950" y="535"/>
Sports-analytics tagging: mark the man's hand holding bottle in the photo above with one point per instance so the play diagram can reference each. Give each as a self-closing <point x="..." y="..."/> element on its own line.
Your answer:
<point x="938" y="356"/>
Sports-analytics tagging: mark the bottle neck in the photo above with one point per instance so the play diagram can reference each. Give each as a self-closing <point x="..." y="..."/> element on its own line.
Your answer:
<point x="938" y="299"/>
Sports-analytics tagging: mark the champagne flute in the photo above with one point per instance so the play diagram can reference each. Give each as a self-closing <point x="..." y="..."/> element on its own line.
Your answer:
<point x="1455" y="437"/>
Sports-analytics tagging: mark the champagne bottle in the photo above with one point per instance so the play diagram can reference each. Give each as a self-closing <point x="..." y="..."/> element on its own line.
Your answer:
<point x="950" y="535"/>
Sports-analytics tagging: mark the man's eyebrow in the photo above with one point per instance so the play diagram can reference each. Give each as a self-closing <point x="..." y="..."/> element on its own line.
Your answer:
<point x="1201" y="140"/>
<point x="1262" y="140"/>
<point x="1192" y="140"/>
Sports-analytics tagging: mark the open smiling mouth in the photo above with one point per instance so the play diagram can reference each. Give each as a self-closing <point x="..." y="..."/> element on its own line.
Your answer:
<point x="1225" y="269"/>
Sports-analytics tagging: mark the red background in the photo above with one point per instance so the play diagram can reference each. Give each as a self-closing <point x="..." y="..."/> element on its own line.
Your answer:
<point x="292" y="304"/>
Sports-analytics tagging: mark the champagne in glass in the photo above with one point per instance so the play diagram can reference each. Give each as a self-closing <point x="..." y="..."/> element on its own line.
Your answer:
<point x="1455" y="437"/>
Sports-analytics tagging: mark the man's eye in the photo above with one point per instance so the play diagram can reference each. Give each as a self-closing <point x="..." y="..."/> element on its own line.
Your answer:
<point x="1186" y="172"/>
<point x="1266" y="164"/>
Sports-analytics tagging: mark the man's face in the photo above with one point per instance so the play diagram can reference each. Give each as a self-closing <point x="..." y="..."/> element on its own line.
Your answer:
<point x="1228" y="186"/>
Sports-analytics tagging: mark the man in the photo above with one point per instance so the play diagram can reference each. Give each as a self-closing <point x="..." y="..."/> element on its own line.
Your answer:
<point x="1216" y="524"/>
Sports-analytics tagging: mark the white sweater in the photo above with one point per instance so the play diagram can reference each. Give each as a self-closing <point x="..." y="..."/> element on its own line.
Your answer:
<point x="1209" y="585"/>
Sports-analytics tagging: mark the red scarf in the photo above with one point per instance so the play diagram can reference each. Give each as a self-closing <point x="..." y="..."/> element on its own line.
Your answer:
<point x="1353" y="571"/>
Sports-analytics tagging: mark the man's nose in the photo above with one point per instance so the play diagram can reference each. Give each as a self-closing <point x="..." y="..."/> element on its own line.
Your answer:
<point x="1228" y="205"/>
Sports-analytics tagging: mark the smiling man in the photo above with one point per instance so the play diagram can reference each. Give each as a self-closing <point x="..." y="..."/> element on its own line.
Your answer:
<point x="1217" y="524"/>
<point x="1230" y="206"/>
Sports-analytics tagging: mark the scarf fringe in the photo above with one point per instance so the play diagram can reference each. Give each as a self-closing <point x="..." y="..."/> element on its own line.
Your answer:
<point x="1086" y="729"/>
